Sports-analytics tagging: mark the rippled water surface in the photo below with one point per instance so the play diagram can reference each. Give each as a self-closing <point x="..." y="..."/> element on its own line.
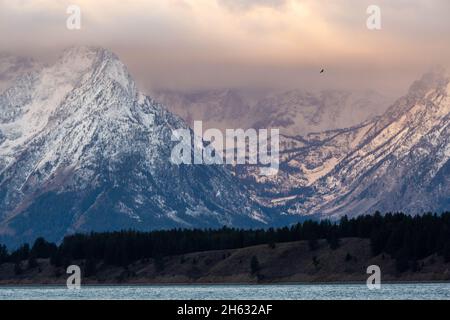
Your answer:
<point x="270" y="292"/>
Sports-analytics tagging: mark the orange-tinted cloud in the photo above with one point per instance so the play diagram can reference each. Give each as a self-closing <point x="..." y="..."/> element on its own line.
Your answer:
<point x="207" y="43"/>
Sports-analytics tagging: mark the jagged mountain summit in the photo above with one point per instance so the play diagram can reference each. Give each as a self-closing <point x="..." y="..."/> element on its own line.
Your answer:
<point x="397" y="162"/>
<point x="81" y="149"/>
<point x="402" y="162"/>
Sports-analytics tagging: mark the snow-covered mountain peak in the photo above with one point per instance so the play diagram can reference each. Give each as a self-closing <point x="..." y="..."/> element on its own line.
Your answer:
<point x="79" y="58"/>
<point x="86" y="84"/>
<point x="423" y="95"/>
<point x="83" y="149"/>
<point x="87" y="61"/>
<point x="437" y="79"/>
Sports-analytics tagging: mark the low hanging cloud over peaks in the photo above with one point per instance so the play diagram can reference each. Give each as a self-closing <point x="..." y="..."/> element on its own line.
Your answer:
<point x="190" y="44"/>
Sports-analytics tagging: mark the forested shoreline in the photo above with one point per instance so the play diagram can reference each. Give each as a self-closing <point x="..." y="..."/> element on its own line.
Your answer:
<point x="405" y="238"/>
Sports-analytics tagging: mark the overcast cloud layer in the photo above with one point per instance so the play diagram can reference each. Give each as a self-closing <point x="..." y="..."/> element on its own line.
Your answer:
<point x="191" y="44"/>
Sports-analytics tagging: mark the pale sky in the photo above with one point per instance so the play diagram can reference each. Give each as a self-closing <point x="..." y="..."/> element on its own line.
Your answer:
<point x="195" y="44"/>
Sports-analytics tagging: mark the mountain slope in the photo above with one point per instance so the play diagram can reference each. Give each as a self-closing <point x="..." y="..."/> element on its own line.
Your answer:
<point x="403" y="162"/>
<point x="82" y="149"/>
<point x="397" y="162"/>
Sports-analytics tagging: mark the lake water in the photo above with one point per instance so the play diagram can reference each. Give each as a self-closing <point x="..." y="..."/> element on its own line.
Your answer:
<point x="249" y="292"/>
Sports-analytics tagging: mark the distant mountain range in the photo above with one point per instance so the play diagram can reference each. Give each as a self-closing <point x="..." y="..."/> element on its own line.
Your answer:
<point x="294" y="112"/>
<point x="82" y="149"/>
